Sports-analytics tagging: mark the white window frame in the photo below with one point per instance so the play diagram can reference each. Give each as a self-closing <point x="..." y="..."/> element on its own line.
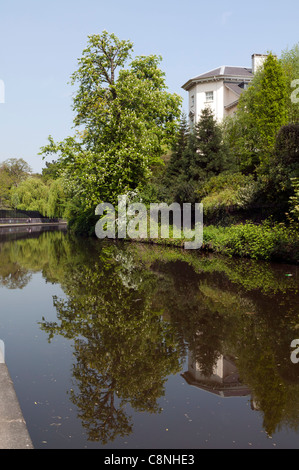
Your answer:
<point x="192" y="102"/>
<point x="209" y="96"/>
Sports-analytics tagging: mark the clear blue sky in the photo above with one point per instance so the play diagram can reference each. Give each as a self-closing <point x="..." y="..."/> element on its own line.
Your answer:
<point x="41" y="40"/>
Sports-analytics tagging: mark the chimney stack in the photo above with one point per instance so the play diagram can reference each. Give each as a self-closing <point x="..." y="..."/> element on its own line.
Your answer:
<point x="257" y="61"/>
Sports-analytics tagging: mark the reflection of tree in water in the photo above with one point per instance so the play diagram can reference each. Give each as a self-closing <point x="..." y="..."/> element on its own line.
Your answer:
<point x="14" y="277"/>
<point x="216" y="316"/>
<point x="264" y="360"/>
<point x="124" y="350"/>
<point x="133" y="312"/>
<point x="12" y="274"/>
<point x="136" y="319"/>
<point x="101" y="412"/>
<point x="21" y="257"/>
<point x="200" y="329"/>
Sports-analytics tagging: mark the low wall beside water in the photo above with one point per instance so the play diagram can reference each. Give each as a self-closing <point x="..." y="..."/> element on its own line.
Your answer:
<point x="19" y="231"/>
<point x="29" y="220"/>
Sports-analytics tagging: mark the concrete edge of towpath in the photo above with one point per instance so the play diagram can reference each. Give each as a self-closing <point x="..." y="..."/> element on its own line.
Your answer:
<point x="13" y="429"/>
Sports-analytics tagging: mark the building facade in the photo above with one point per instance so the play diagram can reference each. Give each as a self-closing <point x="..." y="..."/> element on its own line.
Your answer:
<point x="220" y="89"/>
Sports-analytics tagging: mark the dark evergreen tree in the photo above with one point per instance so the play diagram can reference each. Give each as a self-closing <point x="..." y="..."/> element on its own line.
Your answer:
<point x="210" y="157"/>
<point x="262" y="111"/>
<point x="269" y="110"/>
<point x="284" y="165"/>
<point x="198" y="154"/>
<point x="287" y="147"/>
<point x="176" y="163"/>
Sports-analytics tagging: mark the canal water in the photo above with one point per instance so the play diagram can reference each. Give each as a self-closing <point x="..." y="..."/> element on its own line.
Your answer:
<point x="131" y="346"/>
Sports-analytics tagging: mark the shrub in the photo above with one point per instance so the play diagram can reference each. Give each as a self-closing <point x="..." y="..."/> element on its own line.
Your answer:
<point x="294" y="200"/>
<point x="227" y="191"/>
<point x="265" y="241"/>
<point x="224" y="181"/>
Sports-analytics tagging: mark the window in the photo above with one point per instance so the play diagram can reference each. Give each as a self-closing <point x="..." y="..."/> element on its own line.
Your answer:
<point x="192" y="101"/>
<point x="209" y="96"/>
<point x="191" y="118"/>
<point x="244" y="85"/>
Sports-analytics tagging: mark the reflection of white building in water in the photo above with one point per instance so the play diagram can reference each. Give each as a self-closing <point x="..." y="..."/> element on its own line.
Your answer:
<point x="224" y="380"/>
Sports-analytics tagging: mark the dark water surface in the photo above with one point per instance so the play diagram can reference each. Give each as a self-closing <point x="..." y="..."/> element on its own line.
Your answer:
<point x="132" y="346"/>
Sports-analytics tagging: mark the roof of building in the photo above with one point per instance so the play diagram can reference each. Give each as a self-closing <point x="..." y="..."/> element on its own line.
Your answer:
<point x="235" y="88"/>
<point x="225" y="71"/>
<point x="231" y="389"/>
<point x="232" y="105"/>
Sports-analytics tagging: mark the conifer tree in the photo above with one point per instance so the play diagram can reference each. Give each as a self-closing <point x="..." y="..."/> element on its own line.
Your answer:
<point x="262" y="111"/>
<point x="210" y="156"/>
<point x="270" y="106"/>
<point x="176" y="162"/>
<point x="290" y="64"/>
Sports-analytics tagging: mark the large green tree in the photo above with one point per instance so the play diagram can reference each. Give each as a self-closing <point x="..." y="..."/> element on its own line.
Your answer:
<point x="12" y="172"/>
<point x="290" y="64"/>
<point x="270" y="105"/>
<point x="262" y="111"/>
<point x="17" y="169"/>
<point x="125" y="118"/>
<point x="31" y="195"/>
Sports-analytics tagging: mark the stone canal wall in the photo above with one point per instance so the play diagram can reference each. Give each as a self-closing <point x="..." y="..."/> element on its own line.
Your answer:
<point x="13" y="429"/>
<point x="29" y="220"/>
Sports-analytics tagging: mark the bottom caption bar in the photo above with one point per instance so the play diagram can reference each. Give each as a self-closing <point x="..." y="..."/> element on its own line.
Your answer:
<point x="141" y="458"/>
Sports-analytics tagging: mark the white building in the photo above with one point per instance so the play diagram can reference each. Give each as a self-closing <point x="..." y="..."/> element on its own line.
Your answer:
<point x="224" y="380"/>
<point x="220" y="89"/>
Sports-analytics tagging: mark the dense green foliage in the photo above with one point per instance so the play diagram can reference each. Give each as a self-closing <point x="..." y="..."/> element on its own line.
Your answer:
<point x="244" y="171"/>
<point x="262" y="111"/>
<point x="125" y="118"/>
<point x="23" y="190"/>
<point x="290" y="63"/>
<point x="131" y="138"/>
<point x="198" y="154"/>
<point x="265" y="241"/>
<point x="252" y="155"/>
<point x="12" y="172"/>
<point x="294" y="200"/>
<point x="268" y="107"/>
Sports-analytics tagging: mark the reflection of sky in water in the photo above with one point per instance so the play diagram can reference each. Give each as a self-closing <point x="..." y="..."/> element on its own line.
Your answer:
<point x="42" y="373"/>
